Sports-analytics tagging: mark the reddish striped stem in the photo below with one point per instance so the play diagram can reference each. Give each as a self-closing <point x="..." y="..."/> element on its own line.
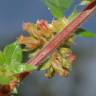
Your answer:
<point x="62" y="36"/>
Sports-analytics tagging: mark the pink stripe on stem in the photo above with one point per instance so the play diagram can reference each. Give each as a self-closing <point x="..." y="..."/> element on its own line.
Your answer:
<point x="62" y="36"/>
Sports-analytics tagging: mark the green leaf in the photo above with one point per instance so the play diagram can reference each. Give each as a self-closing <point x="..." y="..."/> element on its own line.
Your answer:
<point x="84" y="33"/>
<point x="17" y="67"/>
<point x="57" y="7"/>
<point x="2" y="59"/>
<point x="11" y="63"/>
<point x="4" y="80"/>
<point x="79" y="31"/>
<point x="73" y="15"/>
<point x="13" y="52"/>
<point x="88" y="34"/>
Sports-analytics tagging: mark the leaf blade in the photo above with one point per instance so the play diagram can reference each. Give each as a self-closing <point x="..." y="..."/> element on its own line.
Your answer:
<point x="13" y="52"/>
<point x="85" y="33"/>
<point x="88" y="35"/>
<point x="73" y="15"/>
<point x="57" y="7"/>
<point x="2" y="59"/>
<point x="4" y="80"/>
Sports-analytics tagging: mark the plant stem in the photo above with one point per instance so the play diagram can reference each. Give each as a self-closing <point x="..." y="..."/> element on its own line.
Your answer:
<point x="54" y="43"/>
<point x="62" y="36"/>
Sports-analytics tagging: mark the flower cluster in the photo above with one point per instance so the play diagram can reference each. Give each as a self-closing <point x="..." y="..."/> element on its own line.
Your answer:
<point x="39" y="34"/>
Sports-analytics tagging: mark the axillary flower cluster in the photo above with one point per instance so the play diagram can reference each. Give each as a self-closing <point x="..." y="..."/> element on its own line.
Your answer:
<point x="39" y="34"/>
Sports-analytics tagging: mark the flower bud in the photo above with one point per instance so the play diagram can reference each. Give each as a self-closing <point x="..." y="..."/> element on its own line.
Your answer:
<point x="63" y="73"/>
<point x="49" y="73"/>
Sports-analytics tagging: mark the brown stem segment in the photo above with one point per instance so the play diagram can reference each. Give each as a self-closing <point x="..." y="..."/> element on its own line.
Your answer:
<point x="62" y="36"/>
